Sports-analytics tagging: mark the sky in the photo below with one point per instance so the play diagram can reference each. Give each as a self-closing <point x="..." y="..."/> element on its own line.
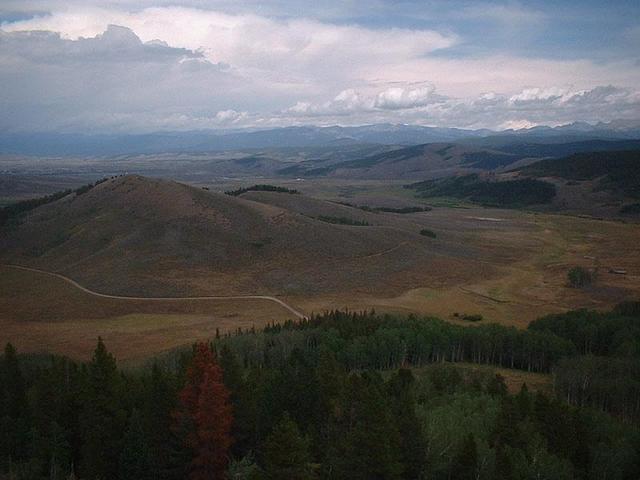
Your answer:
<point x="125" y="66"/>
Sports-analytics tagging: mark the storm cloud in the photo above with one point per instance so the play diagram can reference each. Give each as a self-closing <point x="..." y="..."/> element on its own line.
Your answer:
<point x="161" y="66"/>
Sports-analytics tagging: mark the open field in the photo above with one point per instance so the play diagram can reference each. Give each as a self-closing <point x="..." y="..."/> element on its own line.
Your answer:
<point x="531" y="254"/>
<point x="147" y="238"/>
<point x="40" y="313"/>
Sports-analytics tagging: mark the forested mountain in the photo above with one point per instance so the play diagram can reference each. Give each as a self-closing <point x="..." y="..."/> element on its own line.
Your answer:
<point x="616" y="171"/>
<point x="520" y="192"/>
<point x="337" y="396"/>
<point x="62" y="144"/>
<point x="444" y="159"/>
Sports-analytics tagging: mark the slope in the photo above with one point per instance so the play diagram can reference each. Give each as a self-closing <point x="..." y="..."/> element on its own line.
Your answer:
<point x="136" y="236"/>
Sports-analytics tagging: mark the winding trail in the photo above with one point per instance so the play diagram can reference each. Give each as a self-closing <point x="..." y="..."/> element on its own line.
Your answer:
<point x="164" y="299"/>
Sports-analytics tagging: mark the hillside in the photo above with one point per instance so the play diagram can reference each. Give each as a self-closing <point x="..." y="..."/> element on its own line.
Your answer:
<point x="601" y="183"/>
<point x="432" y="160"/>
<point x="618" y="171"/>
<point x="519" y="192"/>
<point x="133" y="235"/>
<point x="436" y="160"/>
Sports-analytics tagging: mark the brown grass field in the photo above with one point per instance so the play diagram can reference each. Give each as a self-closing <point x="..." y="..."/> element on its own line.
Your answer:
<point x="508" y="265"/>
<point x="39" y="313"/>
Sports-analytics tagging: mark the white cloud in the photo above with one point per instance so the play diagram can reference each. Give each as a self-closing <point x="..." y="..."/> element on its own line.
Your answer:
<point x="226" y="117"/>
<point x="189" y="67"/>
<point x="525" y="109"/>
<point x="396" y="98"/>
<point x="516" y="125"/>
<point x="538" y="95"/>
<point x="283" y="51"/>
<point x="111" y="81"/>
<point x="370" y="100"/>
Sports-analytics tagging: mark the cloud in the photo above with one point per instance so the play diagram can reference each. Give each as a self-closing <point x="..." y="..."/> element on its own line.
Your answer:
<point x="396" y="98"/>
<point x="516" y="125"/>
<point x="117" y="44"/>
<point x="369" y="100"/>
<point x="227" y="117"/>
<point x="110" y="81"/>
<point x="527" y="108"/>
<point x="287" y="51"/>
<point x="538" y="95"/>
<point x="148" y="65"/>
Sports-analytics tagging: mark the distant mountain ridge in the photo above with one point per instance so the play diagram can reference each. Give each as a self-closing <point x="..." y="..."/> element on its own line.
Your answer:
<point x="58" y="144"/>
<point x="434" y="160"/>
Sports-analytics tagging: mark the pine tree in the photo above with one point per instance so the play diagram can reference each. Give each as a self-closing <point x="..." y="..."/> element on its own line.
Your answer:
<point x="524" y="402"/>
<point x="135" y="458"/>
<point x="503" y="467"/>
<point x="286" y="453"/>
<point x="159" y="403"/>
<point x="365" y="441"/>
<point x="204" y="416"/>
<point x="14" y="418"/>
<point x="497" y="386"/>
<point x="102" y="420"/>
<point x="231" y="370"/>
<point x="465" y="463"/>
<point x="16" y="405"/>
<point x="412" y="442"/>
<point x="213" y="427"/>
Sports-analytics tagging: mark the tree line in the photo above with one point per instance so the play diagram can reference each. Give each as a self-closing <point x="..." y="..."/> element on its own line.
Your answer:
<point x="606" y="372"/>
<point x="341" y="395"/>
<point x="520" y="192"/>
<point x="11" y="212"/>
<point x="261" y="188"/>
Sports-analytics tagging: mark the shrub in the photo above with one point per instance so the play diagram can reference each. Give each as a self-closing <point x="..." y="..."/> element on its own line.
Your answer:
<point x="343" y="221"/>
<point x="632" y="208"/>
<point x="260" y="188"/>
<point x="427" y="233"/>
<point x="580" y="277"/>
<point x="473" y="318"/>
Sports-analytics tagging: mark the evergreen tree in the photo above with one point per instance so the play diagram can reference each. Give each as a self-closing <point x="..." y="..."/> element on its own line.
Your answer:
<point x="365" y="441"/>
<point x="232" y="371"/>
<point x="15" y="397"/>
<point x="102" y="419"/>
<point x="59" y="452"/>
<point x="205" y="416"/>
<point x="135" y="458"/>
<point x="497" y="386"/>
<point x="465" y="463"/>
<point x="286" y="453"/>
<point x="412" y="442"/>
<point x="503" y="465"/>
<point x="213" y="425"/>
<point x="160" y="400"/>
<point x="15" y="418"/>
<point x="524" y="402"/>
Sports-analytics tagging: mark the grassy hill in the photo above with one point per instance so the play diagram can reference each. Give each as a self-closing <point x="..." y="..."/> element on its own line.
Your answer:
<point x="617" y="171"/>
<point x="138" y="236"/>
<point x="436" y="160"/>
<point x="518" y="192"/>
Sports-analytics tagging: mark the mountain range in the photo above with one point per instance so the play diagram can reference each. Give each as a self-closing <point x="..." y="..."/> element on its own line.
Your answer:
<point x="70" y="144"/>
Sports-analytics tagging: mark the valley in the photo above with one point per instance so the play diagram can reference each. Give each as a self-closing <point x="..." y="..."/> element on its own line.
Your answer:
<point x="142" y="237"/>
<point x="285" y="240"/>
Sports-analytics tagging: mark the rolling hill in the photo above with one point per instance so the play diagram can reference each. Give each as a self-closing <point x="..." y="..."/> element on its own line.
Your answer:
<point x="436" y="160"/>
<point x="71" y="144"/>
<point x="137" y="236"/>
